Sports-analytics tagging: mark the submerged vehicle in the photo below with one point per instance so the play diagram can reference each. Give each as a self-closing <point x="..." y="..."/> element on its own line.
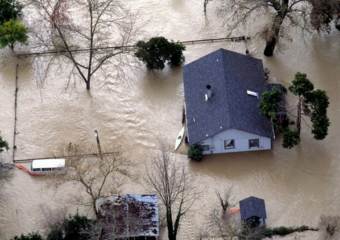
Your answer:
<point x="44" y="166"/>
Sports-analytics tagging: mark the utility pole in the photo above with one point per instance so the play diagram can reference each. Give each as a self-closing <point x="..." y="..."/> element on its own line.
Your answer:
<point x="98" y="144"/>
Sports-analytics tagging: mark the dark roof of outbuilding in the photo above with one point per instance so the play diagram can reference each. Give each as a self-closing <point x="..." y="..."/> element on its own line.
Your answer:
<point x="128" y="216"/>
<point x="252" y="207"/>
<point x="230" y="75"/>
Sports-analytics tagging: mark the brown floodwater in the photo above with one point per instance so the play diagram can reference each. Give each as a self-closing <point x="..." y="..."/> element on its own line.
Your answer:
<point x="138" y="112"/>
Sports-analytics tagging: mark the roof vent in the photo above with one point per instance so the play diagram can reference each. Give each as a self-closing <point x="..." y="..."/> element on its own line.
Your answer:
<point x="252" y="93"/>
<point x="208" y="93"/>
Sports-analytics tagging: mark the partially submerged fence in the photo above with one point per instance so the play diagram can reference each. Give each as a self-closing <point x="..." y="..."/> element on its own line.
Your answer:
<point x="132" y="47"/>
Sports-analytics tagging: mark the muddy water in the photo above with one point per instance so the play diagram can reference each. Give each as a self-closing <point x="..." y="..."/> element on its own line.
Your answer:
<point x="136" y="113"/>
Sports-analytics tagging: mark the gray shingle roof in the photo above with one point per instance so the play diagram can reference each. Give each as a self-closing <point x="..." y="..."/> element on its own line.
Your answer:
<point x="230" y="75"/>
<point x="252" y="207"/>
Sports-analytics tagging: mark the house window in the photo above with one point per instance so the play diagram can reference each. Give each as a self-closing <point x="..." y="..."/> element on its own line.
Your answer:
<point x="254" y="143"/>
<point x="205" y="148"/>
<point x="229" y="144"/>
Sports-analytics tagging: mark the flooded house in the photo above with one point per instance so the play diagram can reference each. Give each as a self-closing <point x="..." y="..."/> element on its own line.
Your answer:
<point x="222" y="93"/>
<point x="131" y="216"/>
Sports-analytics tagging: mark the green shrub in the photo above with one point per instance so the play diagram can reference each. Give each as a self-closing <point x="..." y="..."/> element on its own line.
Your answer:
<point x="283" y="231"/>
<point x="195" y="152"/>
<point x="158" y="51"/>
<point x="73" y="228"/>
<point x="30" y="236"/>
<point x="3" y="145"/>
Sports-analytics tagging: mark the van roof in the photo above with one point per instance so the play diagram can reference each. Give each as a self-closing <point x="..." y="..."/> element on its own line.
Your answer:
<point x="49" y="163"/>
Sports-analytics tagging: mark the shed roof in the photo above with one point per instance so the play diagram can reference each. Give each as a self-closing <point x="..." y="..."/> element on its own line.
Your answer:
<point x="130" y="215"/>
<point x="252" y="207"/>
<point x="231" y="77"/>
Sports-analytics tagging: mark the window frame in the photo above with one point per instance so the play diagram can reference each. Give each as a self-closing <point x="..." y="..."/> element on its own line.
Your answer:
<point x="205" y="147"/>
<point x="252" y="140"/>
<point x="226" y="147"/>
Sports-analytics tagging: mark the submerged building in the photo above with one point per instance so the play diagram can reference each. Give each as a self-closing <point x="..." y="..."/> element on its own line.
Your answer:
<point x="131" y="216"/>
<point x="222" y="92"/>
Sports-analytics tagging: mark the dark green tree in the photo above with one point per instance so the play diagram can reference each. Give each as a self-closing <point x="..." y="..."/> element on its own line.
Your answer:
<point x="158" y="51"/>
<point x="290" y="138"/>
<point x="11" y="32"/>
<point x="311" y="101"/>
<point x="9" y="9"/>
<point x="317" y="103"/>
<point x="195" y="152"/>
<point x="3" y="145"/>
<point x="269" y="103"/>
<point x="300" y="87"/>
<point x="30" y="236"/>
<point x="73" y="228"/>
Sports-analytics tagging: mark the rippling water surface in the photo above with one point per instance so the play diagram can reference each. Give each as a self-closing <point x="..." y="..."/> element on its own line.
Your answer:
<point x="298" y="185"/>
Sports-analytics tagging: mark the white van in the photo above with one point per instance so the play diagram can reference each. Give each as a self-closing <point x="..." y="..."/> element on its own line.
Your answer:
<point x="46" y="166"/>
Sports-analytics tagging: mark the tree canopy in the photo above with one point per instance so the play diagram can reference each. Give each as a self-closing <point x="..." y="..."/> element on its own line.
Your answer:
<point x="73" y="228"/>
<point x="312" y="103"/>
<point x="11" y="32"/>
<point x="9" y="9"/>
<point x="269" y="103"/>
<point x="158" y="51"/>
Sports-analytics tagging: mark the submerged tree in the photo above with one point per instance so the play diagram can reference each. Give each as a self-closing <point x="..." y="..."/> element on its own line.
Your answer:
<point x="9" y="9"/>
<point x="99" y="175"/>
<point x="158" y="50"/>
<point x="172" y="184"/>
<point x="269" y="103"/>
<point x="311" y="103"/>
<point x="83" y="42"/>
<point x="72" y="228"/>
<point x="12" y="32"/>
<point x="284" y="12"/>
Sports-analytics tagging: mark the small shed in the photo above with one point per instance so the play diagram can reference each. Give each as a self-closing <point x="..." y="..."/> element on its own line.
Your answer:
<point x="253" y="211"/>
<point x="131" y="216"/>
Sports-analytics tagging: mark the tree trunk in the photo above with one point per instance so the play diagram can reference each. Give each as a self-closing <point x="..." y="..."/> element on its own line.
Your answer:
<point x="171" y="234"/>
<point x="273" y="36"/>
<point x="88" y="85"/>
<point x="11" y="46"/>
<point x="298" y="119"/>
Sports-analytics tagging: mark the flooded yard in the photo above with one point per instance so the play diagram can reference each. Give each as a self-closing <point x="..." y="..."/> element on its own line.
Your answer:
<point x="138" y="112"/>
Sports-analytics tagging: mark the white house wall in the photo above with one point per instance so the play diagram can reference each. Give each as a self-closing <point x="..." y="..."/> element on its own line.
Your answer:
<point x="241" y="138"/>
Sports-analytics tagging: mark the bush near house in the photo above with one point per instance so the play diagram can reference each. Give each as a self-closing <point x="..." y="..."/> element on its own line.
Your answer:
<point x="195" y="152"/>
<point x="158" y="51"/>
